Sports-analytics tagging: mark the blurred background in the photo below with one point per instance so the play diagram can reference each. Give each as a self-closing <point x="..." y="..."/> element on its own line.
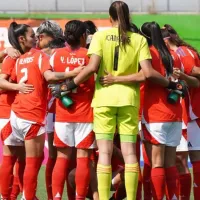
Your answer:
<point x="98" y="5"/>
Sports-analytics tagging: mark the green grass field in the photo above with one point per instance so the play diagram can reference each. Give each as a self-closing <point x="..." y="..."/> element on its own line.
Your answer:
<point x="186" y="25"/>
<point x="41" y="191"/>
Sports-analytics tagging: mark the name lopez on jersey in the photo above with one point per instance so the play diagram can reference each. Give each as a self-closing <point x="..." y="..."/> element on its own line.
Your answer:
<point x="72" y="60"/>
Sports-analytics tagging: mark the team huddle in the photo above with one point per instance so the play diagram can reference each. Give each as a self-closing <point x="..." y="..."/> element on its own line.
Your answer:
<point x="97" y="95"/>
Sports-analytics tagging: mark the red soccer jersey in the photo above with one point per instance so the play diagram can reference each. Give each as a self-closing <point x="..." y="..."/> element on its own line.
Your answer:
<point x="29" y="69"/>
<point x="190" y="59"/>
<point x="51" y="103"/>
<point x="7" y="97"/>
<point x="66" y="59"/>
<point x="141" y="100"/>
<point x="156" y="107"/>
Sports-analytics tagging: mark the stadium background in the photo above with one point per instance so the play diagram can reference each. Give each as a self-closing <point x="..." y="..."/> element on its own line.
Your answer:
<point x="184" y="15"/>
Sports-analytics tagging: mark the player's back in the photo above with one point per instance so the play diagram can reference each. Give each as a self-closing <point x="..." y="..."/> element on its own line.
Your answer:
<point x="29" y="69"/>
<point x="66" y="59"/>
<point x="156" y="107"/>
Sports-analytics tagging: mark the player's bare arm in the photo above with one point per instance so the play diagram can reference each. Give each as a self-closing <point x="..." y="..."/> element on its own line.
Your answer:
<point x="22" y="87"/>
<point x="152" y="74"/>
<point x="13" y="53"/>
<point x="58" y="76"/>
<point x="190" y="80"/>
<point x="109" y="79"/>
<point x="90" y="69"/>
<point x="195" y="72"/>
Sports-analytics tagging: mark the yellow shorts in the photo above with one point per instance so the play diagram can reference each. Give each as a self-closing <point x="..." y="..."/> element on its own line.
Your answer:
<point x="107" y="119"/>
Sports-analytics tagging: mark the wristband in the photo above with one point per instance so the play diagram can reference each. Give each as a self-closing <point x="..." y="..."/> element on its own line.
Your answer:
<point x="172" y="85"/>
<point x="71" y="85"/>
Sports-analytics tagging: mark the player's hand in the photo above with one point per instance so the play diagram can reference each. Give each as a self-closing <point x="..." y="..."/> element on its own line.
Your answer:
<point x="25" y="88"/>
<point x="179" y="87"/>
<point x="13" y="53"/>
<point x="58" y="89"/>
<point x="77" y="70"/>
<point x="108" y="79"/>
<point x="177" y="73"/>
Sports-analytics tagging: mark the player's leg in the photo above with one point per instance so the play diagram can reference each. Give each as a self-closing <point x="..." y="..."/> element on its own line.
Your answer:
<point x="104" y="128"/>
<point x="85" y="143"/>
<point x="127" y="122"/>
<point x="155" y="139"/>
<point x="17" y="186"/>
<point x="173" y="138"/>
<point x="146" y="171"/>
<point x="185" y="179"/>
<point x="10" y="148"/>
<point x="63" y="140"/>
<point x="52" y="154"/>
<point x="140" y="179"/>
<point x="34" y="136"/>
<point x="184" y="183"/>
<point x="193" y="131"/>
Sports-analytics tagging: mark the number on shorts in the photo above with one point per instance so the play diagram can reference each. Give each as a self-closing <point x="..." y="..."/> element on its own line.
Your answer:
<point x="74" y="90"/>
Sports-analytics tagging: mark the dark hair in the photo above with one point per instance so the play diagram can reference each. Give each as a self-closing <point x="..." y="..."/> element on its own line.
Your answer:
<point x="152" y="32"/>
<point x="175" y="38"/>
<point x="57" y="43"/>
<point x="74" y="30"/>
<point x="134" y="28"/>
<point x="15" y="30"/>
<point x="91" y="26"/>
<point x="119" y="11"/>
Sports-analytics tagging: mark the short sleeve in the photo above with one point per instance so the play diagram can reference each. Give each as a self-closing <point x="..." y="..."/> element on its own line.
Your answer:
<point x="44" y="63"/>
<point x="8" y="65"/>
<point x="144" y="53"/>
<point x="187" y="59"/>
<point x="96" y="45"/>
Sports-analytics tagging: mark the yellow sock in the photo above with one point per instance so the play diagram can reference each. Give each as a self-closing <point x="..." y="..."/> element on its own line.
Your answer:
<point x="131" y="180"/>
<point x="104" y="181"/>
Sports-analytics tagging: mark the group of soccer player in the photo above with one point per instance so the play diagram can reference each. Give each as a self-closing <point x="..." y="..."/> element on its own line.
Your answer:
<point x="97" y="95"/>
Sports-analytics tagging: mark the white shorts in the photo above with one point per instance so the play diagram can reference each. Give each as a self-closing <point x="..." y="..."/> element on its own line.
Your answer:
<point x="193" y="131"/>
<point x="7" y="135"/>
<point x="50" y="120"/>
<point x="79" y="135"/>
<point x="183" y="146"/>
<point x="25" y="129"/>
<point x="168" y="133"/>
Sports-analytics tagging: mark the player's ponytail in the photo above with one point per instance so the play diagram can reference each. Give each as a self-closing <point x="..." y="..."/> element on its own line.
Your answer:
<point x="151" y="30"/>
<point x="175" y="38"/>
<point x="119" y="11"/>
<point x="15" y="30"/>
<point x="74" y="30"/>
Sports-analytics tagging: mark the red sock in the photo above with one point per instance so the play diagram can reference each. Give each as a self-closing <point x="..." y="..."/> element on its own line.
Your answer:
<point x="58" y="177"/>
<point x="71" y="193"/>
<point x="185" y="182"/>
<point x="120" y="192"/>
<point x="31" y="171"/>
<point x="20" y="167"/>
<point x="7" y="175"/>
<point x="146" y="176"/>
<point x="139" y="189"/>
<point x="82" y="180"/>
<point x="196" y="174"/>
<point x="171" y="175"/>
<point x="15" y="188"/>
<point x="48" y="176"/>
<point x="158" y="183"/>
